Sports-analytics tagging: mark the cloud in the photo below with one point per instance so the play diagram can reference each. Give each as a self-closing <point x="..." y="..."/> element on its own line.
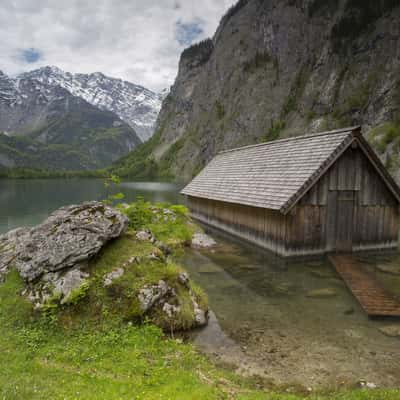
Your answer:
<point x="136" y="40"/>
<point x="30" y="55"/>
<point x="187" y="33"/>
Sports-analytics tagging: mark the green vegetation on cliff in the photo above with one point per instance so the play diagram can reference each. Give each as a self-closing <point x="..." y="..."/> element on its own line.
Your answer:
<point x="70" y="147"/>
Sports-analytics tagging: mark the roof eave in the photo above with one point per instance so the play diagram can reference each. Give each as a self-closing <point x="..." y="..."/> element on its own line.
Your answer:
<point x="368" y="151"/>
<point x="288" y="206"/>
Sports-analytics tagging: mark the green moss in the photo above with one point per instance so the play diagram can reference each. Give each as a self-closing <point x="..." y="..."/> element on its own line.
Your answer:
<point x="78" y="294"/>
<point x="274" y="131"/>
<point x="339" y="83"/>
<point x="169" y="223"/>
<point x="259" y="61"/>
<point x="219" y="109"/>
<point x="297" y="89"/>
<point x="360" y="96"/>
<point x="310" y="115"/>
<point x="386" y="135"/>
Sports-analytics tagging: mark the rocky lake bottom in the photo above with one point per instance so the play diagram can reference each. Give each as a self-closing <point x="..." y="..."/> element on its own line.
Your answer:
<point x="292" y="322"/>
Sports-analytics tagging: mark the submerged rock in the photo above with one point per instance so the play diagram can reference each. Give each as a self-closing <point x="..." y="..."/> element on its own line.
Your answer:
<point x="209" y="268"/>
<point x="200" y="315"/>
<point x="389" y="269"/>
<point x="321" y="273"/>
<point x="321" y="293"/>
<point x="68" y="237"/>
<point x="391" y="330"/>
<point x="201" y="240"/>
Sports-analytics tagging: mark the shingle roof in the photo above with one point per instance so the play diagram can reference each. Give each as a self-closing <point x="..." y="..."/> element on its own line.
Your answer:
<point x="271" y="175"/>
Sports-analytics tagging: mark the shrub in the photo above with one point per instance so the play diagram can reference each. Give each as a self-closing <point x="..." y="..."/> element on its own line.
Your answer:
<point x="78" y="294"/>
<point x="201" y="51"/>
<point x="219" y="109"/>
<point x="139" y="213"/>
<point x="384" y="136"/>
<point x="260" y="60"/>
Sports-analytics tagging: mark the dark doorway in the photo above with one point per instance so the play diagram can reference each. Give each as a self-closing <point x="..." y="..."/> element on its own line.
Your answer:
<point x="344" y="221"/>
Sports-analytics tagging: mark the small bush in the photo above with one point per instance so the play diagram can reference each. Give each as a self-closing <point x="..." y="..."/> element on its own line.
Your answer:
<point x="78" y="294"/>
<point x="139" y="214"/>
<point x="260" y="60"/>
<point x="275" y="130"/>
<point x="202" y="51"/>
<point x="384" y="136"/>
<point x="169" y="223"/>
<point x="296" y="91"/>
<point x="219" y="110"/>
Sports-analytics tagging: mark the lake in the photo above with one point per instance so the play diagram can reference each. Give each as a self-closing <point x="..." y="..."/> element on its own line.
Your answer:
<point x="263" y="321"/>
<point x="26" y="202"/>
<point x="266" y="322"/>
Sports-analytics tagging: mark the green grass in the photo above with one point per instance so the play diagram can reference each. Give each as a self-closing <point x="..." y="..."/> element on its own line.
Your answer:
<point x="385" y="135"/>
<point x="110" y="360"/>
<point x="100" y="346"/>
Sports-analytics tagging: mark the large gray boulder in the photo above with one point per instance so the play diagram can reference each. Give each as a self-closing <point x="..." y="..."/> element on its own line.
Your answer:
<point x="69" y="236"/>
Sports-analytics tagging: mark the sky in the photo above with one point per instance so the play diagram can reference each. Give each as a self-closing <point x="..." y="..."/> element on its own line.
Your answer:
<point x="136" y="40"/>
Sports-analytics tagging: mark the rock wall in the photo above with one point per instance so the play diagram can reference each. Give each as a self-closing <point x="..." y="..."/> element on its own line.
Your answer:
<point x="278" y="68"/>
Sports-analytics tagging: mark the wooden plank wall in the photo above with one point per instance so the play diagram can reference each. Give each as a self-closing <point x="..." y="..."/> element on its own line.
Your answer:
<point x="376" y="212"/>
<point x="312" y="225"/>
<point x="307" y="223"/>
<point x="257" y="225"/>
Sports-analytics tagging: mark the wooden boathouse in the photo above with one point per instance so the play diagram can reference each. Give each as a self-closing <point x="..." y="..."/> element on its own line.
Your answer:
<point x="312" y="194"/>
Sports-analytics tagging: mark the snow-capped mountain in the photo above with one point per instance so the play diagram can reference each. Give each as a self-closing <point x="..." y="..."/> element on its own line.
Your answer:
<point x="134" y="104"/>
<point x="46" y="126"/>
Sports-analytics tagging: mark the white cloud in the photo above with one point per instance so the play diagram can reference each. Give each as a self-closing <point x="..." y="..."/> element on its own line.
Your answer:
<point x="135" y="40"/>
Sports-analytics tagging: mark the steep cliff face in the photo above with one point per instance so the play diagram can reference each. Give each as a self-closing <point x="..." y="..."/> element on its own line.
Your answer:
<point x="277" y="68"/>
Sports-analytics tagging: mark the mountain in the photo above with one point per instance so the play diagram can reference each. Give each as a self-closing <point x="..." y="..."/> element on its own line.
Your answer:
<point x="45" y="126"/>
<point x="277" y="68"/>
<point x="134" y="104"/>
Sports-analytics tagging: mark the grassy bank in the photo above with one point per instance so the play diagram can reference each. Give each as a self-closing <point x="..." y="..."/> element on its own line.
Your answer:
<point x="102" y="346"/>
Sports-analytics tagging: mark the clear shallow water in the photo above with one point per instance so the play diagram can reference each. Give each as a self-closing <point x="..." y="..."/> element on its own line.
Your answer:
<point x="266" y="323"/>
<point x="28" y="202"/>
<point x="262" y="321"/>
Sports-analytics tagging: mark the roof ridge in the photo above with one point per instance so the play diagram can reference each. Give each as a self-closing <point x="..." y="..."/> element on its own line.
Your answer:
<point x="293" y="138"/>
